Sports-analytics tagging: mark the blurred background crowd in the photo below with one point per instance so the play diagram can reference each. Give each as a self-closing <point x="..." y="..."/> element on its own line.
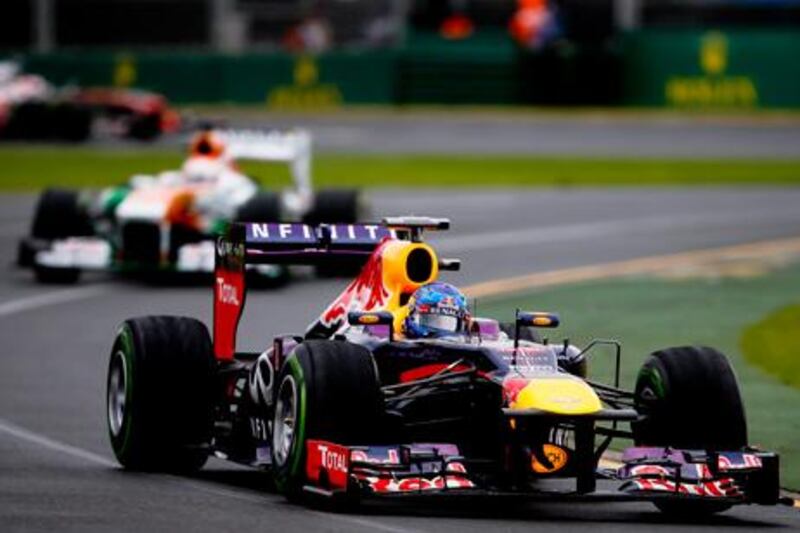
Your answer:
<point x="718" y="53"/>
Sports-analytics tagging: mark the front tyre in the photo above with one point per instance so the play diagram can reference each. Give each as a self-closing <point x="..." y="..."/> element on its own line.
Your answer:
<point x="160" y="394"/>
<point x="689" y="399"/>
<point x="58" y="215"/>
<point x="326" y="390"/>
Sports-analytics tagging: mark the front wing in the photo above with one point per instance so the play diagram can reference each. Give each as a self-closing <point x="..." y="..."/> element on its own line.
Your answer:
<point x="645" y="474"/>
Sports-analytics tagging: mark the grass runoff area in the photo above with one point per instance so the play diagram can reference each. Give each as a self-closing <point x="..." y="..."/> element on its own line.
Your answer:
<point x="755" y="321"/>
<point x="26" y="168"/>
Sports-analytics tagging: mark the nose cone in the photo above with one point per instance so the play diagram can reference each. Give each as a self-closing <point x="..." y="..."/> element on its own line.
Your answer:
<point x="563" y="395"/>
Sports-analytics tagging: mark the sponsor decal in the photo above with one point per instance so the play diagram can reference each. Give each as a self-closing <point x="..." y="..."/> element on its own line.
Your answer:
<point x="368" y="319"/>
<point x="557" y="456"/>
<point x="226" y="248"/>
<point x="259" y="429"/>
<point x="332" y="459"/>
<point x="280" y="232"/>
<point x="305" y="234"/>
<point x="261" y="379"/>
<point x="327" y="464"/>
<point x="714" y="87"/>
<point x="227" y="293"/>
<point x="306" y="91"/>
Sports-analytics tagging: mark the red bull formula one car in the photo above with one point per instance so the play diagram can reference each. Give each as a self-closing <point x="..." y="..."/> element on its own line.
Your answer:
<point x="360" y="406"/>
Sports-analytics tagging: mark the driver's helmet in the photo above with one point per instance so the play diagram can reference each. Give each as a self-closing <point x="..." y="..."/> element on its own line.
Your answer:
<point x="436" y="310"/>
<point x="207" y="144"/>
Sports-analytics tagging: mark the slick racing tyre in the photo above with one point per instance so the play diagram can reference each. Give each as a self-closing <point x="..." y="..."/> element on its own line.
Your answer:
<point x="326" y="390"/>
<point x="265" y="206"/>
<point x="58" y="215"/>
<point x="689" y="399"/>
<point x="160" y="394"/>
<point x="338" y="206"/>
<point x="144" y="127"/>
<point x="71" y="122"/>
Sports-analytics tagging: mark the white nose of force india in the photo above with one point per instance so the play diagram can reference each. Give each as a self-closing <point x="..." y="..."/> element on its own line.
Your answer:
<point x="357" y="407"/>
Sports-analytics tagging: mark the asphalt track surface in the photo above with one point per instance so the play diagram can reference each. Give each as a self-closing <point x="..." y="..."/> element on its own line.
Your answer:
<point x="57" y="470"/>
<point x="524" y="133"/>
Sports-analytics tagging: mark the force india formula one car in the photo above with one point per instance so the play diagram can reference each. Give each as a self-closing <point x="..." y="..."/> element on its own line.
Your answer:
<point x="350" y="409"/>
<point x="168" y="222"/>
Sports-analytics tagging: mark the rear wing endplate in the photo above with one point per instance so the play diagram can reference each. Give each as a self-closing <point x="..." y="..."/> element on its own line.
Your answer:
<point x="277" y="243"/>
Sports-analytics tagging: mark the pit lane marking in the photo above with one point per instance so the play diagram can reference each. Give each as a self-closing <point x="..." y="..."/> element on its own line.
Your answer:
<point x="629" y="267"/>
<point x="39" y="301"/>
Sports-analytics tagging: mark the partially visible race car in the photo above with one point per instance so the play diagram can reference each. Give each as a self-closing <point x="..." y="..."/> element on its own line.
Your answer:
<point x="31" y="108"/>
<point x="168" y="222"/>
<point x="396" y="391"/>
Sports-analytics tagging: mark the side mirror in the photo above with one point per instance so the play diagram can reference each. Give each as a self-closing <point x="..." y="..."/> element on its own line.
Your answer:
<point x="537" y="319"/>
<point x="372" y="318"/>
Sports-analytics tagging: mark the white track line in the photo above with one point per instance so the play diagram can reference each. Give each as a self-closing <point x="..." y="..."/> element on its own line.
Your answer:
<point x="100" y="460"/>
<point x="50" y="444"/>
<point x="30" y="303"/>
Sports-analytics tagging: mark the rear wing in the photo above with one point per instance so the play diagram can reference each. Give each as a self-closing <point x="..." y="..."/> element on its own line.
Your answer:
<point x="295" y="244"/>
<point x="292" y="146"/>
<point x="277" y="243"/>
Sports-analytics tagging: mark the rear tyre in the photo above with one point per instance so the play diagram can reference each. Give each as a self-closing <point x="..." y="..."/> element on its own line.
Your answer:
<point x="327" y="390"/>
<point x="690" y="399"/>
<point x="160" y="394"/>
<point x="145" y="127"/>
<point x="265" y="206"/>
<point x="71" y="122"/>
<point x="338" y="206"/>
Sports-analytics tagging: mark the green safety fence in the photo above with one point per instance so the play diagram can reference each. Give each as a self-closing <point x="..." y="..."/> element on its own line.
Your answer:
<point x="712" y="69"/>
<point x="679" y="68"/>
<point x="280" y="80"/>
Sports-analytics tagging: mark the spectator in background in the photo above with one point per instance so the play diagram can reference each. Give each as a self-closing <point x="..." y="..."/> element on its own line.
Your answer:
<point x="534" y="24"/>
<point x="313" y="34"/>
<point x="457" y="25"/>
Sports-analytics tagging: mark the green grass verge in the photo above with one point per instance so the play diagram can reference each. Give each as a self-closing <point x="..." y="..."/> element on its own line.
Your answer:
<point x="648" y="314"/>
<point x="773" y="343"/>
<point x="30" y="168"/>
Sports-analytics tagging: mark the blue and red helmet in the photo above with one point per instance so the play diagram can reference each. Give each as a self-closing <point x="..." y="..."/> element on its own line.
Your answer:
<point x="436" y="310"/>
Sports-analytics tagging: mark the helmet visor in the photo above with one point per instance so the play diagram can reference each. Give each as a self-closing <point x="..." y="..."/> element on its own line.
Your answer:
<point x="439" y="322"/>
